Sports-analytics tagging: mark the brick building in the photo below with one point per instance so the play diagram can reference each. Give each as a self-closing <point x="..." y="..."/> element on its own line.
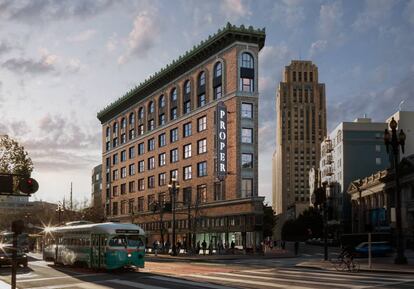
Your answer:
<point x="166" y="129"/>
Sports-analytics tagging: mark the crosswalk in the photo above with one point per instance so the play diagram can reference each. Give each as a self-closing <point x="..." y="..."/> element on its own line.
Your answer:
<point x="286" y="277"/>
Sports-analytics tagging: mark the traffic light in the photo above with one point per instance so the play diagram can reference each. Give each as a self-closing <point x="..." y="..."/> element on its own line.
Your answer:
<point x="6" y="184"/>
<point x="28" y="186"/>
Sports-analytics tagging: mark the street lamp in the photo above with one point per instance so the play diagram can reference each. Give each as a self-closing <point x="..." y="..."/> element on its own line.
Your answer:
<point x="395" y="142"/>
<point x="173" y="187"/>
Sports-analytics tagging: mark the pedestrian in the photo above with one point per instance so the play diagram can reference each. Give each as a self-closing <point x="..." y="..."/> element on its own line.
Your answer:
<point x="210" y="247"/>
<point x="155" y="247"/>
<point x="233" y="245"/>
<point x="296" y="248"/>
<point x="204" y="245"/>
<point x="282" y="244"/>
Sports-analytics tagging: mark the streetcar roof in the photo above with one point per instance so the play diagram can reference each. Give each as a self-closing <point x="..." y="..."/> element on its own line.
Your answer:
<point x="103" y="228"/>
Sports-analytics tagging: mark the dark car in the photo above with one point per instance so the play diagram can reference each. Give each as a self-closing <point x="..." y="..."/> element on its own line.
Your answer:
<point x="6" y="256"/>
<point x="378" y="249"/>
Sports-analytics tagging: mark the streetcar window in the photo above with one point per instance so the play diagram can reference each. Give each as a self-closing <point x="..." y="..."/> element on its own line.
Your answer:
<point x="118" y="241"/>
<point x="135" y="241"/>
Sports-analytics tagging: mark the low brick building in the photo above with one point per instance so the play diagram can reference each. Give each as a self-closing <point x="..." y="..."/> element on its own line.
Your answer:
<point x="167" y="128"/>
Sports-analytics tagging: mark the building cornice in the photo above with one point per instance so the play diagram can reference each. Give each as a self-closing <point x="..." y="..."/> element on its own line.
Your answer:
<point x="199" y="53"/>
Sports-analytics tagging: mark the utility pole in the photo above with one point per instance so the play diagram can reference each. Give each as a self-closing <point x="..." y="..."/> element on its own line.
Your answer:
<point x="71" y="200"/>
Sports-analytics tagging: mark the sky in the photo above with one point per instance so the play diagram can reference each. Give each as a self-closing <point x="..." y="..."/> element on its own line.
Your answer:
<point x="62" y="61"/>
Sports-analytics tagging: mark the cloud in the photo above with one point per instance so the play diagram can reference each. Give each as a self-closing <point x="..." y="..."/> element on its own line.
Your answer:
<point x="409" y="12"/>
<point x="4" y="47"/>
<point x="376" y="104"/>
<point x="375" y="13"/>
<point x="43" y="11"/>
<point x="82" y="36"/>
<point x="234" y="9"/>
<point x="31" y="66"/>
<point x="143" y="35"/>
<point x="289" y="13"/>
<point x="330" y="18"/>
<point x="317" y="47"/>
<point x="112" y="43"/>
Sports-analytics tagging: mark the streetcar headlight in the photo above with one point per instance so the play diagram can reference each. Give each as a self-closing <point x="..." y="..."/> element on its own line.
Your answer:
<point x="129" y="255"/>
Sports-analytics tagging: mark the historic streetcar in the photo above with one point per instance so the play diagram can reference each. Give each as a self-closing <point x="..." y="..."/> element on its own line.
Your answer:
<point x="100" y="246"/>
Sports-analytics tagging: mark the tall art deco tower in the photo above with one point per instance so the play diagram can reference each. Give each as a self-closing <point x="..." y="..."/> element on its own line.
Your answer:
<point x="301" y="127"/>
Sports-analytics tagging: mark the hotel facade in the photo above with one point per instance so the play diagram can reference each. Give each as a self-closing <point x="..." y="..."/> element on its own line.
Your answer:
<point x="195" y="121"/>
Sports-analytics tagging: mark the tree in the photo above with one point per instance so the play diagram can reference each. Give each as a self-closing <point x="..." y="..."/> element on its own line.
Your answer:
<point x="269" y="221"/>
<point x="13" y="158"/>
<point x="309" y="224"/>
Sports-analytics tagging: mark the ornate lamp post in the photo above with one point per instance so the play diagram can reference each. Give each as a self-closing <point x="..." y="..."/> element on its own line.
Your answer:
<point x="173" y="187"/>
<point x="395" y="142"/>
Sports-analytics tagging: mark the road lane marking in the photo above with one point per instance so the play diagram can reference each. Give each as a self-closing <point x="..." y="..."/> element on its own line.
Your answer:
<point x="134" y="285"/>
<point x="288" y="280"/>
<point x="247" y="282"/>
<point x="59" y="277"/>
<point x="188" y="282"/>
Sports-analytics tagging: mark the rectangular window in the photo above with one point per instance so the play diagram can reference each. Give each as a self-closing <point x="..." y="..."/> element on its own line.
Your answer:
<point x="247" y="135"/>
<point x="162" y="180"/>
<point x="247" y="188"/>
<point x="247" y="160"/>
<point x="174" y="135"/>
<point x="151" y="163"/>
<point x="108" y="145"/>
<point x="219" y="191"/>
<point x="115" y="208"/>
<point x="161" y="159"/>
<point x="187" y="151"/>
<point x="123" y="156"/>
<point x="141" y="148"/>
<point x="123" y="189"/>
<point x="123" y="138"/>
<point x="115" y="142"/>
<point x="174" y="156"/>
<point x="202" y="146"/>
<point x="187" y="196"/>
<point x="131" y="186"/>
<point x="140" y="204"/>
<point x="132" y="169"/>
<point x="247" y="110"/>
<point x="377" y="148"/>
<point x="161" y="119"/>
<point x="202" y="169"/>
<point x="187" y="129"/>
<point x="131" y="134"/>
<point x="141" y="166"/>
<point x="123" y="172"/>
<point x="141" y="129"/>
<point x="202" y="193"/>
<point x="151" y="182"/>
<point x="115" y="175"/>
<point x="378" y="161"/>
<point x="141" y="184"/>
<point x="151" y="144"/>
<point x="151" y="124"/>
<point x="201" y="100"/>
<point x="161" y="140"/>
<point x="115" y="191"/>
<point x="202" y="123"/>
<point x="218" y="92"/>
<point x="173" y="114"/>
<point x="187" y="173"/>
<point x="115" y="159"/>
<point x="131" y="206"/>
<point x="174" y="175"/>
<point x="151" y="200"/>
<point x="131" y="152"/>
<point x="246" y="84"/>
<point x="187" y="106"/>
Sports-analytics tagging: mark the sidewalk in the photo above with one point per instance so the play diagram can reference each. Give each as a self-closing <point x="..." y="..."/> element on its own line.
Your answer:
<point x="379" y="265"/>
<point x="201" y="258"/>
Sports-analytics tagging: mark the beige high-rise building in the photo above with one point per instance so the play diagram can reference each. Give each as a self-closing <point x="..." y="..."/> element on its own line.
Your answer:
<point x="301" y="127"/>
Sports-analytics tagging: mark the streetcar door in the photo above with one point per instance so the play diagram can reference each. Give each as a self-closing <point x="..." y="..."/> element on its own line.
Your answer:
<point x="95" y="251"/>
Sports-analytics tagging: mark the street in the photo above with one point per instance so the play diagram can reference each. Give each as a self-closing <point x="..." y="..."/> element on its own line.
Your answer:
<point x="162" y="273"/>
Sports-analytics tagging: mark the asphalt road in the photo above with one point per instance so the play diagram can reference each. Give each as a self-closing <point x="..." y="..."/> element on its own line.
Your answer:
<point x="223" y="274"/>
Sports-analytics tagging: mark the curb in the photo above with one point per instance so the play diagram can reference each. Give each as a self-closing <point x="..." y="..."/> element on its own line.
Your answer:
<point x="360" y="270"/>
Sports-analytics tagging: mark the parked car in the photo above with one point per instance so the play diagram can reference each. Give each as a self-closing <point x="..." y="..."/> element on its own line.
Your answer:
<point x="378" y="249"/>
<point x="6" y="256"/>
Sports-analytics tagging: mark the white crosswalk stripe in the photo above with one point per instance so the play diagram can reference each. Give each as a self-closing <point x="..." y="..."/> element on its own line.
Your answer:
<point x="191" y="283"/>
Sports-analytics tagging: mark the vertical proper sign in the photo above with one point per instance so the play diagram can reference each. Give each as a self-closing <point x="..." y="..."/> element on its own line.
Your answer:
<point x="221" y="136"/>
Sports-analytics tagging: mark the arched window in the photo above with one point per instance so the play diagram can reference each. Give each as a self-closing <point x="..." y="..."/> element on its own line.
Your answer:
<point x="187" y="87"/>
<point x="218" y="69"/>
<point x="151" y="107"/>
<point x="161" y="101"/>
<point x="141" y="113"/>
<point x="247" y="60"/>
<point x="131" y="119"/>
<point x="201" y="89"/>
<point x="123" y="123"/>
<point x="218" y="80"/>
<point x="108" y="131"/>
<point x="115" y="128"/>
<point x="247" y="72"/>
<point x="173" y="95"/>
